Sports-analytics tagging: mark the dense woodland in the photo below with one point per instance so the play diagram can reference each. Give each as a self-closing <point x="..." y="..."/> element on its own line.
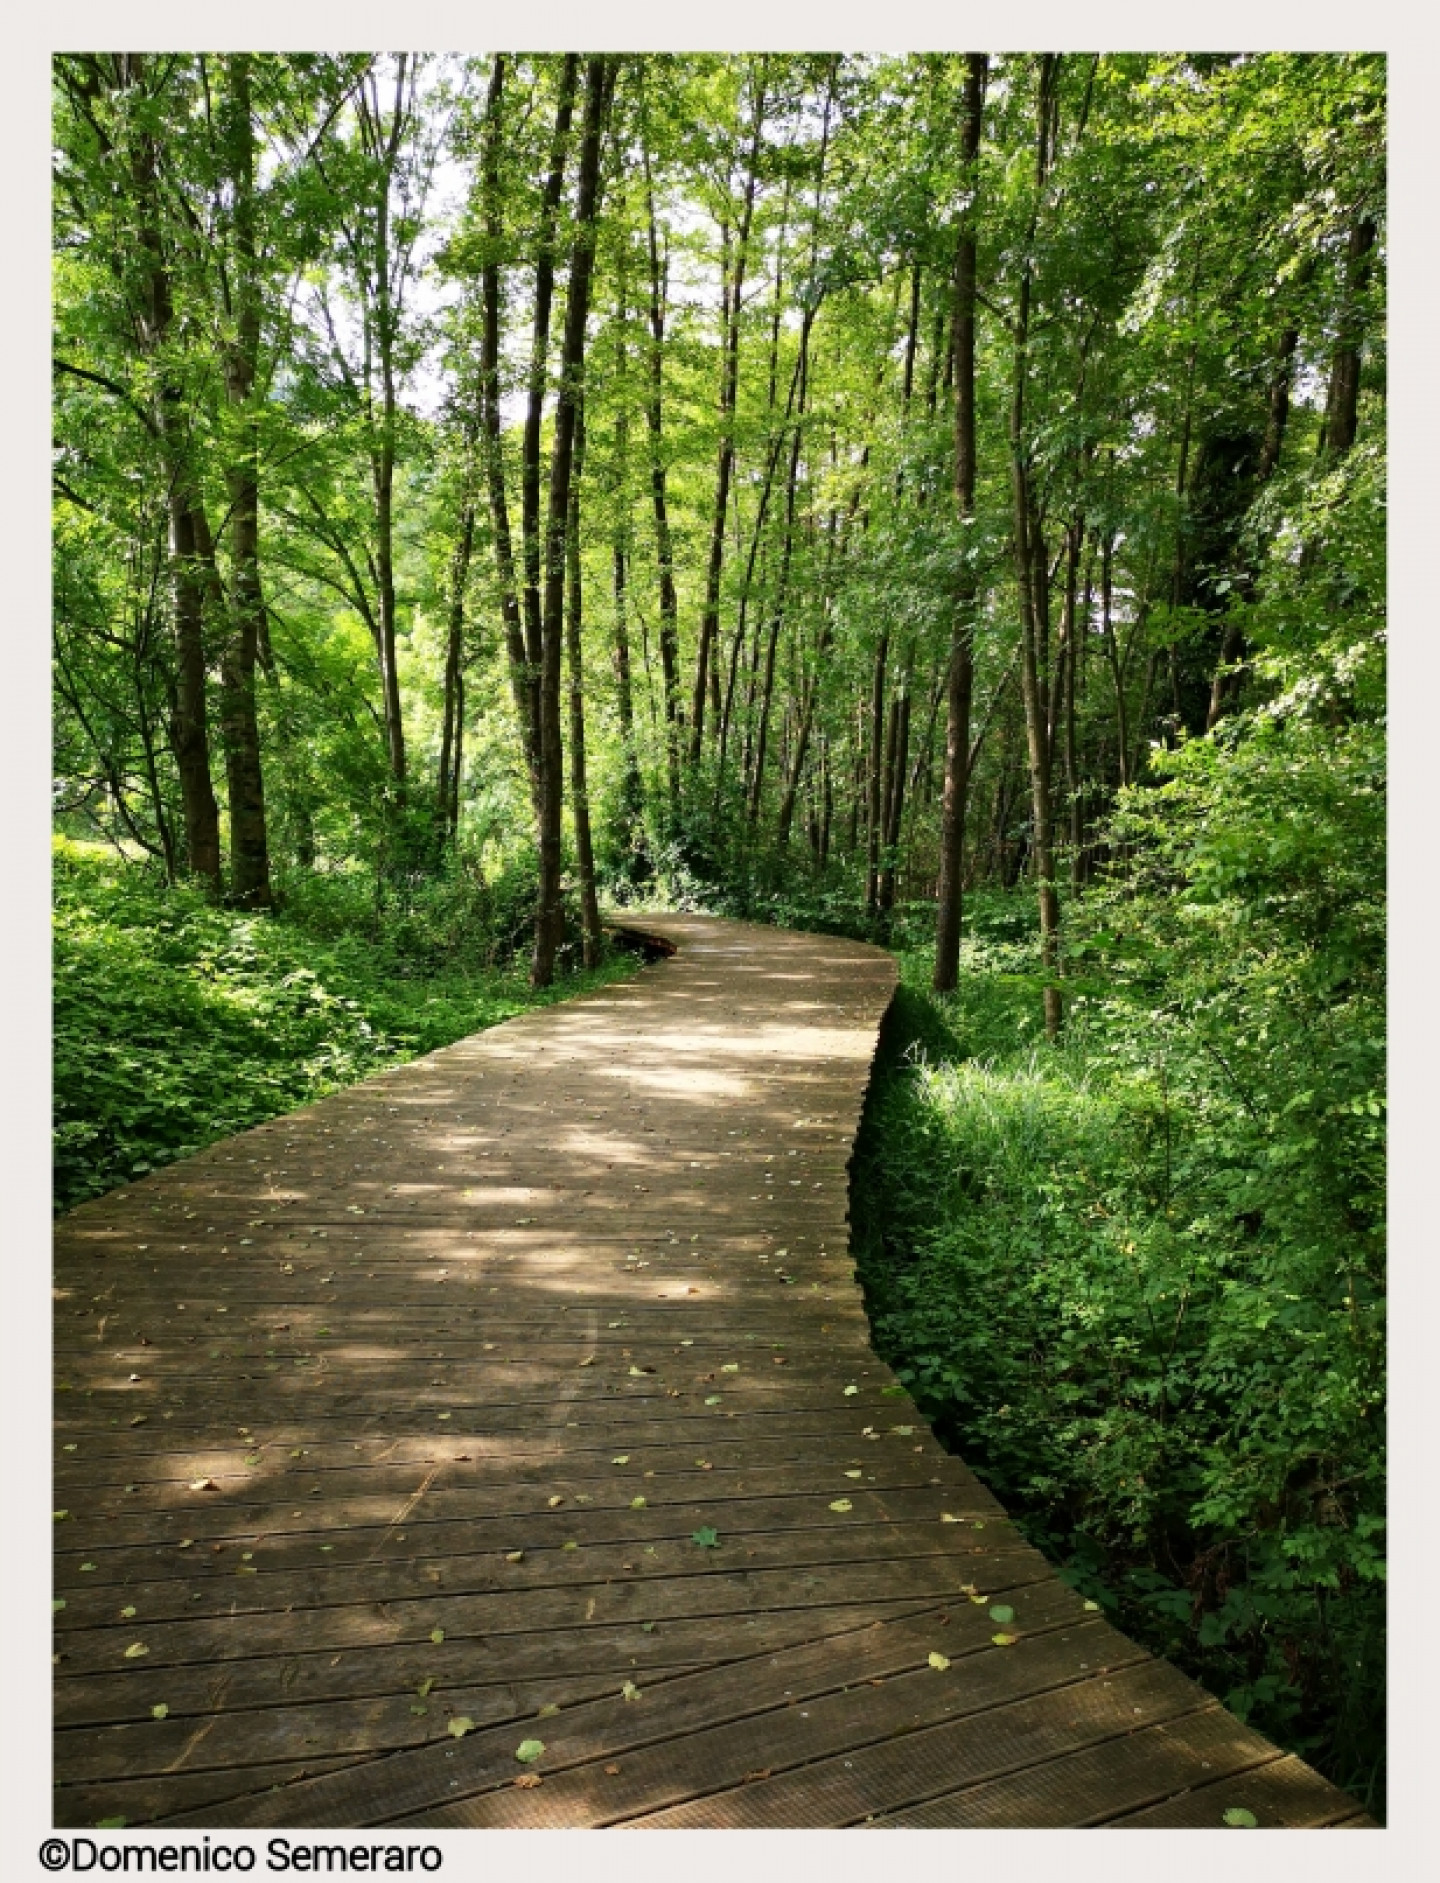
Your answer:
<point x="934" y="497"/>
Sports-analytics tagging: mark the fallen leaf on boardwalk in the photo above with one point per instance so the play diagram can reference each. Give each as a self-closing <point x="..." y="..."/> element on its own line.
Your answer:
<point x="1238" y="1818"/>
<point x="629" y="1691"/>
<point x="548" y="1711"/>
<point x="139" y="1419"/>
<point x="1002" y="1612"/>
<point x="253" y="1457"/>
<point x="850" y="1391"/>
<point x="161" y="1712"/>
<point x="705" y="1537"/>
<point x="555" y="1502"/>
<point x="437" y="1635"/>
<point x="1004" y="1641"/>
<point x="637" y="1503"/>
<point x="713" y="1399"/>
<point x="1092" y="1606"/>
<point x="86" y="1566"/>
<point x="842" y="1503"/>
<point x="732" y="1367"/>
<point x="442" y="1415"/>
<point x="529" y="1750"/>
<point x="59" y="1602"/>
<point x="945" y="1517"/>
<point x="135" y="1650"/>
<point x="703" y="1464"/>
<point x="687" y="1343"/>
<point x="761" y="1772"/>
<point x="514" y="1556"/>
<point x="425" y="1686"/>
<point x="588" y="1361"/>
<point x="572" y="1545"/>
<point x="110" y="1824"/>
<point x="623" y="1459"/>
<point x="458" y="1728"/>
<point x="852" y="1474"/>
<point x="527" y="1781"/>
<point x="419" y="1712"/>
<point x="647" y="1627"/>
<point x="905" y="1431"/>
<point x="186" y="1543"/>
<point x="940" y="1662"/>
<point x="978" y="1599"/>
<point x="612" y="1771"/>
<point x="203" y="1484"/>
<point x="60" y="1515"/>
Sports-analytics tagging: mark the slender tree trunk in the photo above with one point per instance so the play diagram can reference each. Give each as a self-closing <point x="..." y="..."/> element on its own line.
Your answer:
<point x="448" y="795"/>
<point x="960" y="683"/>
<point x="729" y="384"/>
<point x="592" y="939"/>
<point x="898" y="756"/>
<point x="249" y="844"/>
<point x="874" y="773"/>
<point x="664" y="552"/>
<point x="599" y="85"/>
<point x="524" y="679"/>
<point x="530" y="520"/>
<point x="1029" y="574"/>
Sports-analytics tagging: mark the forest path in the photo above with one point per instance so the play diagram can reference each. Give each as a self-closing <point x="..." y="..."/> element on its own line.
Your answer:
<point x="533" y="1375"/>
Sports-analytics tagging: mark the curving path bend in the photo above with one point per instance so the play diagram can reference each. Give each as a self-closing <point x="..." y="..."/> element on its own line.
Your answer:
<point x="524" y="1393"/>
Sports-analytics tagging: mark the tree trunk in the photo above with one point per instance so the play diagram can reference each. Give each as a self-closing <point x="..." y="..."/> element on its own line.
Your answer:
<point x="249" y="845"/>
<point x="1028" y="576"/>
<point x="524" y="680"/>
<point x="960" y="682"/>
<point x="664" y="552"/>
<point x="592" y="939"/>
<point x="189" y="732"/>
<point x="549" y="917"/>
<point x="729" y="384"/>
<point x="448" y="793"/>
<point x="1342" y="404"/>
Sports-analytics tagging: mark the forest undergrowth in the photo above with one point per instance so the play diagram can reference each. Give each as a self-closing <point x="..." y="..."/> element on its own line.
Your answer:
<point x="1139" y="1291"/>
<point x="177" y="1023"/>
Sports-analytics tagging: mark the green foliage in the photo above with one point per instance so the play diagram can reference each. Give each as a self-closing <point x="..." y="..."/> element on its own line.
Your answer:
<point x="1138" y="1276"/>
<point x="176" y="1023"/>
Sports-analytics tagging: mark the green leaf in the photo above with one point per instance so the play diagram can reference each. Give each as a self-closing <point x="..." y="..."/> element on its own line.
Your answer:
<point x="160" y="1712"/>
<point x="110" y="1824"/>
<point x="707" y="1538"/>
<point x="1002" y="1612"/>
<point x="458" y="1727"/>
<point x="437" y="1635"/>
<point x="529" y="1750"/>
<point x="939" y="1661"/>
<point x="1238" y="1818"/>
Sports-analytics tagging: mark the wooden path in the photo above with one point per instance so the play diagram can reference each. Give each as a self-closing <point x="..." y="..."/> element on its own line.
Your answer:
<point x="524" y="1393"/>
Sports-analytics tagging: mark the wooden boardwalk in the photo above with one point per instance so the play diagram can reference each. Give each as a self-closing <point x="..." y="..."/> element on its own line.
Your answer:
<point x="524" y="1393"/>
